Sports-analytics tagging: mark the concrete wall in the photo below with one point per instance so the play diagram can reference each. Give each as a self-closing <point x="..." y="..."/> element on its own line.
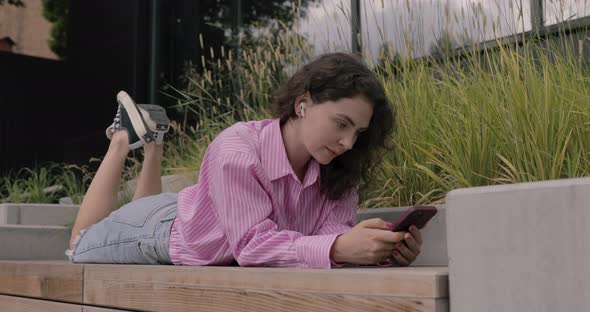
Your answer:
<point x="27" y="27"/>
<point x="520" y="247"/>
<point x="35" y="231"/>
<point x="33" y="242"/>
<point x="37" y="214"/>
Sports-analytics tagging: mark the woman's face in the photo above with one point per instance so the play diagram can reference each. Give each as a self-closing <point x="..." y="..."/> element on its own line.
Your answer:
<point x="332" y="127"/>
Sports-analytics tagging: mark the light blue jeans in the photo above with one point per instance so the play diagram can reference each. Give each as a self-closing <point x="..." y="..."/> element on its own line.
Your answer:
<point x="138" y="232"/>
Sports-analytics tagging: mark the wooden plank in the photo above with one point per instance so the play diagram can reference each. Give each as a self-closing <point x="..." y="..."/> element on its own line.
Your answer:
<point x="166" y="288"/>
<point x="420" y="282"/>
<point x="160" y="297"/>
<point x="178" y="288"/>
<point x="20" y="304"/>
<point x="97" y="309"/>
<point x="56" y="280"/>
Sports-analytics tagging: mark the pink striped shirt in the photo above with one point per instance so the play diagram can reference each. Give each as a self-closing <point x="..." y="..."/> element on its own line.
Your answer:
<point x="250" y="206"/>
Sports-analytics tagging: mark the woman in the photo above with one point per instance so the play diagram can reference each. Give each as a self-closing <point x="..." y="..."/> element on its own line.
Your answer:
<point x="281" y="192"/>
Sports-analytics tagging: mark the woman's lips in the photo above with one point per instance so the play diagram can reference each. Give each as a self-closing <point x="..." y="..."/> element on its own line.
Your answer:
<point x="331" y="151"/>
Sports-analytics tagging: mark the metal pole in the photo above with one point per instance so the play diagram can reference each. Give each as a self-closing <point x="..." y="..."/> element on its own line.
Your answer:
<point x="236" y="24"/>
<point x="155" y="38"/>
<point x="537" y="16"/>
<point x="355" y="26"/>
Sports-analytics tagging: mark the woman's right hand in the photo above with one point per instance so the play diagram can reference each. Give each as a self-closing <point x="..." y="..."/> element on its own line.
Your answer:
<point x="369" y="242"/>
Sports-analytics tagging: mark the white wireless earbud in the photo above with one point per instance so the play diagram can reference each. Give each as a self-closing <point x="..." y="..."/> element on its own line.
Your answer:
<point x="302" y="109"/>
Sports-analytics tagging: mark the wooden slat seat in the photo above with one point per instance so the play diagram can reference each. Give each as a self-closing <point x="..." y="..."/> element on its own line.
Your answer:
<point x="12" y="303"/>
<point x="54" y="280"/>
<point x="178" y="288"/>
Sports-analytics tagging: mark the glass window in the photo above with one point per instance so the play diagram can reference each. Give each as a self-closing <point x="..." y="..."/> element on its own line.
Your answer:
<point x="423" y="27"/>
<point x="557" y="11"/>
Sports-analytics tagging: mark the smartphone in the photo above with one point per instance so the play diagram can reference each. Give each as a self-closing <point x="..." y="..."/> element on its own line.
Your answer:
<point x="416" y="215"/>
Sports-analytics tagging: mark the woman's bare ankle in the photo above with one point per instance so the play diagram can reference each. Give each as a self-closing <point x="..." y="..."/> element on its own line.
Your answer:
<point x="120" y="142"/>
<point x="153" y="150"/>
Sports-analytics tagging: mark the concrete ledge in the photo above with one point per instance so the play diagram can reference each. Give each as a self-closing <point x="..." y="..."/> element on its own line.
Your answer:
<point x="33" y="242"/>
<point x="434" y="251"/>
<point x="434" y="235"/>
<point x="520" y="247"/>
<point x="37" y="214"/>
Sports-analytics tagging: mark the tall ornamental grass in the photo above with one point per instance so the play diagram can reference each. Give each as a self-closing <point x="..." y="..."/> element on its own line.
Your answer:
<point x="228" y="90"/>
<point x="509" y="115"/>
<point x="518" y="113"/>
<point x="513" y="115"/>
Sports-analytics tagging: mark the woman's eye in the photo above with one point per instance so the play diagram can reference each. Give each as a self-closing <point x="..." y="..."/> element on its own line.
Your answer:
<point x="341" y="125"/>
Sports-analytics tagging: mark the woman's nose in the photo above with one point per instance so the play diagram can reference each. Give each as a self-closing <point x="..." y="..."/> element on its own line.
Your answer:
<point x="347" y="141"/>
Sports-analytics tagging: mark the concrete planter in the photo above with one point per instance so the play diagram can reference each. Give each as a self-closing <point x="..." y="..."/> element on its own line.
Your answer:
<point x="35" y="231"/>
<point x="17" y="216"/>
<point x="37" y="214"/>
<point x="33" y="242"/>
<point x="520" y="247"/>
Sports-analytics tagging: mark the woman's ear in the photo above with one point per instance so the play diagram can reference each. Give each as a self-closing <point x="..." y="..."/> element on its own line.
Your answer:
<point x="304" y="99"/>
<point x="302" y="109"/>
<point x="297" y="103"/>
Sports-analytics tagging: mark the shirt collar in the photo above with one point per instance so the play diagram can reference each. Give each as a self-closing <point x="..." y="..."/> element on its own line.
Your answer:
<point x="274" y="156"/>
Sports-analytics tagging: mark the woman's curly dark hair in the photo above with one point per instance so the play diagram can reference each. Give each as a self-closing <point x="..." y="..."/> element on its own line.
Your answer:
<point x="331" y="77"/>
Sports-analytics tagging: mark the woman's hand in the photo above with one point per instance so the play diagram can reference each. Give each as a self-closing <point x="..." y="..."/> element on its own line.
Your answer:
<point x="369" y="242"/>
<point x="405" y="253"/>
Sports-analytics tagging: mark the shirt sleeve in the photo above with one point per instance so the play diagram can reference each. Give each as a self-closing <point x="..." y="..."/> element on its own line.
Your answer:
<point x="342" y="215"/>
<point x="243" y="208"/>
<point x="341" y="218"/>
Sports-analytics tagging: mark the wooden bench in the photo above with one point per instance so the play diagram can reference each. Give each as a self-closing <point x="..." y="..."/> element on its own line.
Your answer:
<point x="60" y="286"/>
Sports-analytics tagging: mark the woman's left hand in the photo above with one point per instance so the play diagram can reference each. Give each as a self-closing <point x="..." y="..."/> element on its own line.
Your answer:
<point x="405" y="254"/>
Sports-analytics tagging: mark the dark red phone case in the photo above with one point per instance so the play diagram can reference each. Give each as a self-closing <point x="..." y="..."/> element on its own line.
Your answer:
<point x="416" y="215"/>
